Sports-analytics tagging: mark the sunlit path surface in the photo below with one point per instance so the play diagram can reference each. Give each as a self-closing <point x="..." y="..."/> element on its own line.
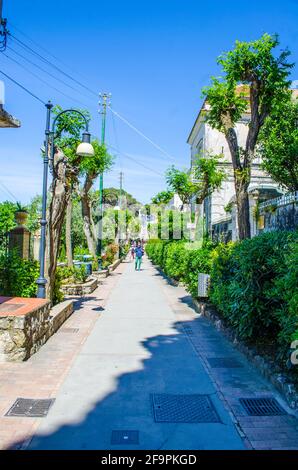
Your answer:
<point x="137" y="348"/>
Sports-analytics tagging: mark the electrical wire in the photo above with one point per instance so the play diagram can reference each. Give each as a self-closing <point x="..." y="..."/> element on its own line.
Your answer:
<point x="137" y="161"/>
<point x="23" y="87"/>
<point x="58" y="69"/>
<point x="8" y="191"/>
<point x="32" y="51"/>
<point x="44" y="49"/>
<point x="46" y="71"/>
<point x="44" y="81"/>
<point x="164" y="152"/>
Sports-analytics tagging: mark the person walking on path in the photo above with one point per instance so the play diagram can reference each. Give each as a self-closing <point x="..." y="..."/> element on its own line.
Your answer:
<point x="132" y="251"/>
<point x="139" y="253"/>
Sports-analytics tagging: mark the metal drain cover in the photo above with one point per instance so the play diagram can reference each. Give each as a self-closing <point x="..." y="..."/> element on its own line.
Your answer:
<point x="69" y="330"/>
<point x="188" y="330"/>
<point x="125" y="437"/>
<point x="262" y="407"/>
<point x="224" y="363"/>
<point x="183" y="409"/>
<point x="30" y="408"/>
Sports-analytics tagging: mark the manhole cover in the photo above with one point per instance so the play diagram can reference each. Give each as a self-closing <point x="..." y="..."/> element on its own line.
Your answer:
<point x="69" y="330"/>
<point x="125" y="437"/>
<point x="30" y="408"/>
<point x="5" y="307"/>
<point x="262" y="407"/>
<point x="183" y="409"/>
<point x="224" y="362"/>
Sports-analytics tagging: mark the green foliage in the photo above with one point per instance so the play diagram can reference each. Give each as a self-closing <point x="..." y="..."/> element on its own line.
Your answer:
<point x="111" y="197"/>
<point x="227" y="106"/>
<point x="254" y="289"/>
<point x="180" y="182"/>
<point x="256" y="62"/>
<point x="181" y="261"/>
<point x="34" y="214"/>
<point x="199" y="261"/>
<point x="175" y="260"/>
<point x="205" y="177"/>
<point x="101" y="162"/>
<point x="279" y="144"/>
<point x="110" y="254"/>
<point x="17" y="276"/>
<point x="163" y="197"/>
<point x="7" y="218"/>
<point x="254" y="283"/>
<point x="253" y="64"/>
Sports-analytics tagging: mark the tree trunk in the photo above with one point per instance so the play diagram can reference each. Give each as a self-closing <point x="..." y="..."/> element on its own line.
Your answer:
<point x="61" y="193"/>
<point x="241" y="181"/>
<point x="68" y="239"/>
<point x="88" y="225"/>
<point x="243" y="213"/>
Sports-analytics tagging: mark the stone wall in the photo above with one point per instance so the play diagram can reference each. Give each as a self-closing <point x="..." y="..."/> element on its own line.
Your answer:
<point x="22" y="334"/>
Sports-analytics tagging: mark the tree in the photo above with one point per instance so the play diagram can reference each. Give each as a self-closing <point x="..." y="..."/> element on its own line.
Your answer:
<point x="278" y="144"/>
<point x="264" y="81"/>
<point x="65" y="171"/>
<point x="163" y="197"/>
<point x="206" y="176"/>
<point x="90" y="169"/>
<point x="111" y="197"/>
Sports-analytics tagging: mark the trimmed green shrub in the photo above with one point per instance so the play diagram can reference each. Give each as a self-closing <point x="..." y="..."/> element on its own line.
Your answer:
<point x="18" y="276"/>
<point x="199" y="261"/>
<point x="175" y="260"/>
<point x="254" y="286"/>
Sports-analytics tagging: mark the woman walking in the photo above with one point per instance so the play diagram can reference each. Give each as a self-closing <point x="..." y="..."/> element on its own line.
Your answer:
<point x="139" y="253"/>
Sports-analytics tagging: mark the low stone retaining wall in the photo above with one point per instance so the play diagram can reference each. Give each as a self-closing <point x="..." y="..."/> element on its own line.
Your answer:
<point x="59" y="314"/>
<point x="267" y="367"/>
<point x="80" y="289"/>
<point x="115" y="265"/>
<point x="26" y="324"/>
<point x="101" y="274"/>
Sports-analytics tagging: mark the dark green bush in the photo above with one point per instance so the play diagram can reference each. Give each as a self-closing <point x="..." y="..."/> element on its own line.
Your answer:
<point x="18" y="276"/>
<point x="254" y="286"/>
<point x="175" y="260"/>
<point x="199" y="261"/>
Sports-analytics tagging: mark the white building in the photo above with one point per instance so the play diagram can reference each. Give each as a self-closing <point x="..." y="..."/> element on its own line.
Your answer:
<point x="203" y="141"/>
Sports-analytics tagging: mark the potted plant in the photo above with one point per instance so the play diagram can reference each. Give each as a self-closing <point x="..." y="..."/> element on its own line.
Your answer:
<point x="21" y="214"/>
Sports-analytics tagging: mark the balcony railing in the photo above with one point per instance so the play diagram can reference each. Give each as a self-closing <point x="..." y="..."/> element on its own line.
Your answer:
<point x="289" y="198"/>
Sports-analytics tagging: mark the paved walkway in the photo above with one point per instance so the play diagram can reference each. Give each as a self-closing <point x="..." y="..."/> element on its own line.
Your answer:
<point x="147" y="340"/>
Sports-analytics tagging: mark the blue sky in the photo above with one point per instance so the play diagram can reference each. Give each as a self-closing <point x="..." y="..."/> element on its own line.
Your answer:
<point x="153" y="56"/>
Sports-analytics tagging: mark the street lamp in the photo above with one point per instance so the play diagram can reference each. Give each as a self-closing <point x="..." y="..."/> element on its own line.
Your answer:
<point x="85" y="149"/>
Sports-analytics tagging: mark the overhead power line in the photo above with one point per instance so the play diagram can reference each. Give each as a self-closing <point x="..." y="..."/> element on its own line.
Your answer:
<point x="164" y="152"/>
<point x="46" y="72"/>
<point x="8" y="191"/>
<point x="44" y="59"/>
<point x="136" y="161"/>
<point x="69" y="77"/>
<point x="44" y="81"/>
<point x="23" y="87"/>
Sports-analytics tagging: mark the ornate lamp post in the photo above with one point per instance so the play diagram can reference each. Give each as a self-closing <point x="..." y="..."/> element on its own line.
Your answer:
<point x="84" y="149"/>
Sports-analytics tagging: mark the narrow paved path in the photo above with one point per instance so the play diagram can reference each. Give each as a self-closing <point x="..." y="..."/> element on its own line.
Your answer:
<point x="137" y="348"/>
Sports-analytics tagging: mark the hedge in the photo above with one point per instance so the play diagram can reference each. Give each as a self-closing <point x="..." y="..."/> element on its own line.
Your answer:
<point x="181" y="261"/>
<point x="254" y="284"/>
